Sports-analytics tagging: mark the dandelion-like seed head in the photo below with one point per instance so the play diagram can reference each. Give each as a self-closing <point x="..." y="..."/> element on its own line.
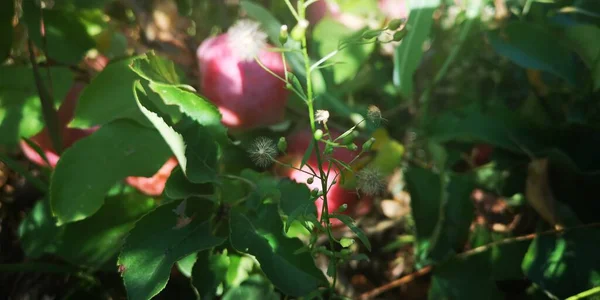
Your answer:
<point x="321" y="116"/>
<point x="263" y="151"/>
<point x="374" y="114"/>
<point x="370" y="181"/>
<point x="246" y="39"/>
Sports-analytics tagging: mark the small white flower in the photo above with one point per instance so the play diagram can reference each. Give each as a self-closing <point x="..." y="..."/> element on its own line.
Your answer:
<point x="246" y="39"/>
<point x="321" y="116"/>
<point x="370" y="181"/>
<point x="263" y="151"/>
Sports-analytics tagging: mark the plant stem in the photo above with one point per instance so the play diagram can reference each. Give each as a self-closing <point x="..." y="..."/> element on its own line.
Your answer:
<point x="313" y="127"/>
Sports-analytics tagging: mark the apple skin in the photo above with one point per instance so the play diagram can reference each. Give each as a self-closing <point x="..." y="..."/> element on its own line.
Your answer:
<point x="247" y="96"/>
<point x="152" y="186"/>
<point x="337" y="195"/>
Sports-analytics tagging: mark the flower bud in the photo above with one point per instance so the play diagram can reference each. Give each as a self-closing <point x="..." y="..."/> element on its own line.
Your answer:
<point x="283" y="34"/>
<point x="366" y="147"/>
<point x="399" y="35"/>
<point x="346" y="242"/>
<point x="352" y="147"/>
<point x="349" y="138"/>
<point x="318" y="134"/>
<point x="310" y="180"/>
<point x="394" y="24"/>
<point x="328" y="149"/>
<point x="314" y="192"/>
<point x="282" y="144"/>
<point x="299" y="31"/>
<point x="342" y="208"/>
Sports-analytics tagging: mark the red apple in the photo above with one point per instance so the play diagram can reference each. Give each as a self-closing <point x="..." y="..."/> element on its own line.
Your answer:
<point x="337" y="195"/>
<point x="247" y="96"/>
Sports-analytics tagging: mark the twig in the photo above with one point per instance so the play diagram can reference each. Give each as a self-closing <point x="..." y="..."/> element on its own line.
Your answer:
<point x="396" y="283"/>
<point x="48" y="111"/>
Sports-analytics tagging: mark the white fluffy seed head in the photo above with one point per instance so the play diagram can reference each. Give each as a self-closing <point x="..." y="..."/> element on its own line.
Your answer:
<point x="321" y="116"/>
<point x="263" y="152"/>
<point x="370" y="181"/>
<point x="246" y="39"/>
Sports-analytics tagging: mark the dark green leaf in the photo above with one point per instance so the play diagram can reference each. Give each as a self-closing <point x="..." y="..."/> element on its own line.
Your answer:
<point x="295" y="201"/>
<point x="531" y="46"/>
<point x="7" y="12"/>
<point x="359" y="232"/>
<point x="158" y="241"/>
<point x="262" y="236"/>
<point x="66" y="38"/>
<point x="208" y="272"/>
<point x="20" y="109"/>
<point x="407" y="56"/>
<point x="88" y="169"/>
<point x="254" y="288"/>
<point x="94" y="241"/>
<point x="588" y="48"/>
<point x="38" y="231"/>
<point x="109" y="97"/>
<point x="563" y="264"/>
<point x="186" y="264"/>
<point x="179" y="187"/>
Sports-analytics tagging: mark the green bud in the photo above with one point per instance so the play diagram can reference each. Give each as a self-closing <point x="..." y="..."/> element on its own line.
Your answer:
<point x="346" y="242"/>
<point x="328" y="149"/>
<point x="334" y="182"/>
<point x="399" y="35"/>
<point x="314" y="192"/>
<point x="283" y="34"/>
<point x="349" y="138"/>
<point x="346" y="252"/>
<point x="310" y="180"/>
<point x="299" y="31"/>
<point x="394" y="24"/>
<point x="342" y="208"/>
<point x="318" y="134"/>
<point x="282" y="144"/>
<point x="352" y="147"/>
<point x="370" y="34"/>
<point x="289" y="86"/>
<point x="366" y="147"/>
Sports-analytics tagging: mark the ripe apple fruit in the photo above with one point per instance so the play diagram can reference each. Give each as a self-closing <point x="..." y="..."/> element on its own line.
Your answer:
<point x="247" y="96"/>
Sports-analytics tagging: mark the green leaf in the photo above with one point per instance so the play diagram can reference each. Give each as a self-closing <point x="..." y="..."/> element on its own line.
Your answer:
<point x="457" y="213"/>
<point x="254" y="288"/>
<point x="587" y="48"/>
<point x="328" y="34"/>
<point x="20" y="109"/>
<point x="179" y="187"/>
<point x="191" y="104"/>
<point x="193" y="146"/>
<point x="94" y="241"/>
<point x="157" y="242"/>
<point x="262" y="236"/>
<point x="7" y="11"/>
<point x="66" y="40"/>
<point x="359" y="232"/>
<point x="38" y="231"/>
<point x="295" y="201"/>
<point x="208" y="273"/>
<point x="186" y="264"/>
<point x="109" y="97"/>
<point x="155" y="69"/>
<point x="531" y="46"/>
<point x="425" y="190"/>
<point x="88" y="169"/>
<point x="407" y="56"/>
<point x="239" y="269"/>
<point x="563" y="264"/>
